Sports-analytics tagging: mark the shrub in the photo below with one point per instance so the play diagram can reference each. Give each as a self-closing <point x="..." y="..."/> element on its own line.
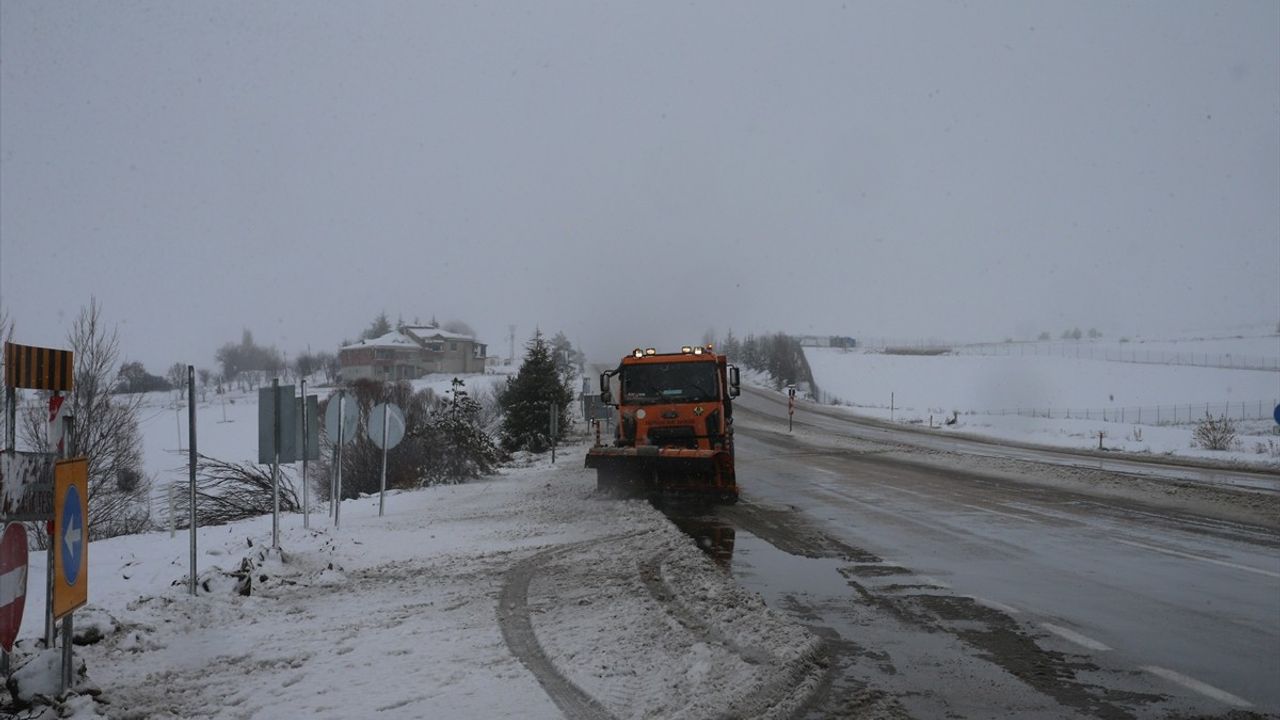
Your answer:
<point x="1215" y="433"/>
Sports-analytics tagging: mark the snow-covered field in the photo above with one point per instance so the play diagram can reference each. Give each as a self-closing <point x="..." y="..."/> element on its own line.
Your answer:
<point x="227" y="424"/>
<point x="1057" y="400"/>
<point x="506" y="597"/>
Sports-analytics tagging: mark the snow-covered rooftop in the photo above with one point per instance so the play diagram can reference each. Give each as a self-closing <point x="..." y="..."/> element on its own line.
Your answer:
<point x="429" y="331"/>
<point x="395" y="338"/>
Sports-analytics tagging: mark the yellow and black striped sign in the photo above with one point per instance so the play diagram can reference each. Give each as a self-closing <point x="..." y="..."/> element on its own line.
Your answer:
<point x="37" y="368"/>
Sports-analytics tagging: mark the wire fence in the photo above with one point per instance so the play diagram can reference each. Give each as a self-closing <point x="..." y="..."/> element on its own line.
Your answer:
<point x="1179" y="414"/>
<point x="1173" y="414"/>
<point x="1090" y="351"/>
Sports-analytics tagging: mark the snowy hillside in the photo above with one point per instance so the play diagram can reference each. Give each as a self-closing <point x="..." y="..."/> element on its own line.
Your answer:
<point x="1050" y="399"/>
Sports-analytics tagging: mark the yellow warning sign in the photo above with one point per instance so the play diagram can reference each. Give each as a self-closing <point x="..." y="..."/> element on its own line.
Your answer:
<point x="70" y="535"/>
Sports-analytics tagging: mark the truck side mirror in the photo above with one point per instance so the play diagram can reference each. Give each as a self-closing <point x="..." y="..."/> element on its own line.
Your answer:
<point x="735" y="383"/>
<point x="606" y="396"/>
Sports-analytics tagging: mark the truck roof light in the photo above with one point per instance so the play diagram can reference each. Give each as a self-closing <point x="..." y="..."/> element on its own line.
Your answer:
<point x="638" y="352"/>
<point x="650" y="351"/>
<point x="697" y="351"/>
<point x="686" y="349"/>
<point x="709" y="347"/>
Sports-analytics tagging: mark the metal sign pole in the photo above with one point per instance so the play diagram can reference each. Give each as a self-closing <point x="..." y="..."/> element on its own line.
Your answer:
<point x="191" y="467"/>
<point x="50" y="625"/>
<point x="275" y="464"/>
<point x="67" y="634"/>
<point x="382" y="492"/>
<point x="10" y="411"/>
<point x="10" y="415"/>
<point x="306" y="502"/>
<point x="337" y="506"/>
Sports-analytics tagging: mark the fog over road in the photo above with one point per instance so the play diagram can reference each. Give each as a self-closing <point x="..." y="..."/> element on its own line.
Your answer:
<point x="948" y="582"/>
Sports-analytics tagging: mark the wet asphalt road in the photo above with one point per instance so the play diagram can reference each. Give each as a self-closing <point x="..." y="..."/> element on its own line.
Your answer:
<point x="957" y="593"/>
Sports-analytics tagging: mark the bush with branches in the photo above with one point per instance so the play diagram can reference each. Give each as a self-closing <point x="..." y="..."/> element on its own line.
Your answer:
<point x="227" y="492"/>
<point x="1215" y="433"/>
<point x="362" y="460"/>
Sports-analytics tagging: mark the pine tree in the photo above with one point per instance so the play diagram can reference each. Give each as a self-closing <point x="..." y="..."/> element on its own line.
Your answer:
<point x="465" y="449"/>
<point x="379" y="327"/>
<point x="528" y="397"/>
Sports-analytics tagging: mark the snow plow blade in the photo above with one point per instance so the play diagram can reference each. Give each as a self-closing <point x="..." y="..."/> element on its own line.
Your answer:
<point x="679" y="472"/>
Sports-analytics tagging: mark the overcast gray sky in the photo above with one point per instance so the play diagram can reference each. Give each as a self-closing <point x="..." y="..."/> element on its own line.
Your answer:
<point x="637" y="173"/>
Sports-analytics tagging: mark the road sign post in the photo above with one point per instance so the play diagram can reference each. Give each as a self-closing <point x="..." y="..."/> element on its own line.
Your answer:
<point x="37" y="368"/>
<point x="386" y="430"/>
<point x="306" y="500"/>
<point x="191" y="467"/>
<point x="382" y="485"/>
<point x="554" y="416"/>
<point x="13" y="588"/>
<point x="275" y="464"/>
<point x="340" y="420"/>
<point x="71" y="560"/>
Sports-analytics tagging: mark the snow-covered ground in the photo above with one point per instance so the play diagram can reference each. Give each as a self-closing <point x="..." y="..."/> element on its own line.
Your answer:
<point x="1060" y="401"/>
<point x="506" y="597"/>
<point x="227" y="424"/>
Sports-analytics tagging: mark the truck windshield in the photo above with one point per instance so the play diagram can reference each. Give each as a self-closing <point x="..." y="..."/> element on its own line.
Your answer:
<point x="669" y="382"/>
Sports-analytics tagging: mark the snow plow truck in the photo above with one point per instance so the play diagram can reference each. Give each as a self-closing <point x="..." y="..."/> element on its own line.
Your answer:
<point x="674" y="430"/>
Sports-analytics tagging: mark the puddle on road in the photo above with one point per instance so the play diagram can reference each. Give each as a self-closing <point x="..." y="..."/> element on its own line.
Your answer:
<point x="777" y="575"/>
<point x="715" y="537"/>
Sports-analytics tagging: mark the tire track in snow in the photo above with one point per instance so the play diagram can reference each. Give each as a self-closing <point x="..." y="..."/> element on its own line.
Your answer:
<point x="790" y="688"/>
<point x="517" y="631"/>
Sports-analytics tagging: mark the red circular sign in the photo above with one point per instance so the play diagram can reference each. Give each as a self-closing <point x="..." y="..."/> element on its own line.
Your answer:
<point x="13" y="582"/>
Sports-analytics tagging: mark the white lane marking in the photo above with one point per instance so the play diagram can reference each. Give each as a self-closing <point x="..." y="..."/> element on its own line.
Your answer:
<point x="1074" y="637"/>
<point x="1006" y="609"/>
<point x="1201" y="558"/>
<point x="989" y="511"/>
<point x="1195" y="685"/>
<point x="825" y="471"/>
<point x="934" y="581"/>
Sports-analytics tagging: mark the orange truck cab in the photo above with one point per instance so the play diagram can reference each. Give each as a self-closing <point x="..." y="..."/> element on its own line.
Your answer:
<point x="674" y="426"/>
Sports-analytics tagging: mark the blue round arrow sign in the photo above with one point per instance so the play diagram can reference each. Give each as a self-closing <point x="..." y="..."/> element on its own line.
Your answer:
<point x="72" y="540"/>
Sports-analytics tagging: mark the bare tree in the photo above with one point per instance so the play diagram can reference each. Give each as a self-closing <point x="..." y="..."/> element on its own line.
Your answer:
<point x="204" y="374"/>
<point x="105" y="430"/>
<point x="177" y="376"/>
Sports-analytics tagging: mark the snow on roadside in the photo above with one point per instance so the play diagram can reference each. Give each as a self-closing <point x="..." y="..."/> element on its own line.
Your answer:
<point x="399" y="615"/>
<point x="937" y="386"/>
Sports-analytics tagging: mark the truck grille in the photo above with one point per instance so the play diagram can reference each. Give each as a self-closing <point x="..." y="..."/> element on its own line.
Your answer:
<point x="675" y="436"/>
